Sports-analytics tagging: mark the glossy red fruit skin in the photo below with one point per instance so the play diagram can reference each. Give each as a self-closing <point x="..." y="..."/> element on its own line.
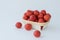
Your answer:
<point x="41" y="20"/>
<point x="25" y="17"/>
<point x="29" y="13"/>
<point x="18" y="24"/>
<point x="37" y="33"/>
<point x="43" y="12"/>
<point x="40" y="16"/>
<point x="32" y="18"/>
<point x="36" y="12"/>
<point x="47" y="17"/>
<point x="28" y="27"/>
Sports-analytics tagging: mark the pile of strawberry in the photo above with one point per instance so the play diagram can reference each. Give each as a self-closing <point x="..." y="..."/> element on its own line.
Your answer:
<point x="37" y="16"/>
<point x="34" y="16"/>
<point x="28" y="27"/>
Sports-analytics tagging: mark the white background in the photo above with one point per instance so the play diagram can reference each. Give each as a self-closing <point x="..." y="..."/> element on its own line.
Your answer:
<point x="11" y="11"/>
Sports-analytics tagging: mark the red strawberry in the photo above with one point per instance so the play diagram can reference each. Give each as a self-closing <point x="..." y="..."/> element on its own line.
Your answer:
<point x="32" y="18"/>
<point x="41" y="20"/>
<point x="29" y="14"/>
<point x="18" y="24"/>
<point x="28" y="26"/>
<point x="25" y="17"/>
<point x="40" y="16"/>
<point x="43" y="12"/>
<point x="47" y="17"/>
<point x="37" y="33"/>
<point x="36" y="12"/>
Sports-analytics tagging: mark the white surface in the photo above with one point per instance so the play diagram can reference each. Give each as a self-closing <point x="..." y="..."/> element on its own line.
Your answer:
<point x="11" y="11"/>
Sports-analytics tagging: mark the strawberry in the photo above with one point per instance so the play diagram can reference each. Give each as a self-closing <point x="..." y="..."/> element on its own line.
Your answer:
<point x="37" y="33"/>
<point x="28" y="26"/>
